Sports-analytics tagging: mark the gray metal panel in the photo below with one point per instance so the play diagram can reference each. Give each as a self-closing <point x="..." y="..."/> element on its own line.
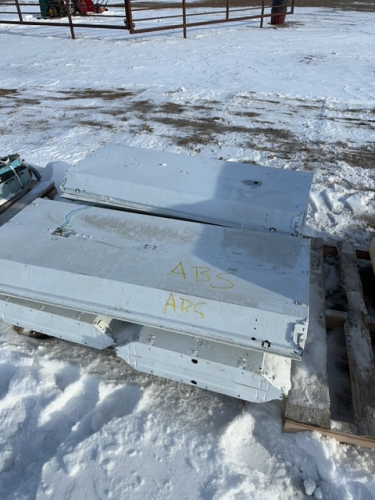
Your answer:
<point x="224" y="369"/>
<point x="237" y="287"/>
<point x="195" y="188"/>
<point x="82" y="328"/>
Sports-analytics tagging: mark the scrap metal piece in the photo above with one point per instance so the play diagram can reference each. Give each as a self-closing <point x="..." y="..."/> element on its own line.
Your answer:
<point x="194" y="188"/>
<point x="240" y="288"/>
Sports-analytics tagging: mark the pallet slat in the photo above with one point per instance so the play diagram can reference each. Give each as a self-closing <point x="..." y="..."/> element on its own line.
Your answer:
<point x="337" y="319"/>
<point x="300" y="414"/>
<point x="358" y="342"/>
<point x="342" y="437"/>
<point x="308" y="400"/>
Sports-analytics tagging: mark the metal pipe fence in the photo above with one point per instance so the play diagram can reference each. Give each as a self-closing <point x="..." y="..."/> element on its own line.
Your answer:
<point x="211" y="13"/>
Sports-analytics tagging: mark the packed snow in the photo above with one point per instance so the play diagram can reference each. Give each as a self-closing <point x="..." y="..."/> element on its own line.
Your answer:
<point x="78" y="423"/>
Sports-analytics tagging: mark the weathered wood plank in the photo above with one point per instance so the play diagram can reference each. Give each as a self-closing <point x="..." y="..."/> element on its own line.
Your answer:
<point x="40" y="189"/>
<point x="330" y="248"/>
<point x="358" y="342"/>
<point x="337" y="318"/>
<point x="308" y="400"/>
<point x="342" y="437"/>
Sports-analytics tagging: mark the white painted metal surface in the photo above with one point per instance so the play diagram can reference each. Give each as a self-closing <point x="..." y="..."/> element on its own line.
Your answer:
<point x="217" y="367"/>
<point x="241" y="288"/>
<point x="195" y="188"/>
<point x="209" y="365"/>
<point x="81" y="328"/>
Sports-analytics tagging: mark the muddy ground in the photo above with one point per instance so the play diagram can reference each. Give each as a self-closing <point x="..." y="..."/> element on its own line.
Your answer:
<point x="243" y="121"/>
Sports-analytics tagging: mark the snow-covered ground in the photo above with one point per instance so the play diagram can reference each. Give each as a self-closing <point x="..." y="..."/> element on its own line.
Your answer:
<point x="76" y="423"/>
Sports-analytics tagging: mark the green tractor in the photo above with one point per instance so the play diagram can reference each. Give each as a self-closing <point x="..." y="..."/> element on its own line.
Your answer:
<point x="52" y="8"/>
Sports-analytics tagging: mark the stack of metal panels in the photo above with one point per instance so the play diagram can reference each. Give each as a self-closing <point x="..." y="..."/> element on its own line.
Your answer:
<point x="204" y="304"/>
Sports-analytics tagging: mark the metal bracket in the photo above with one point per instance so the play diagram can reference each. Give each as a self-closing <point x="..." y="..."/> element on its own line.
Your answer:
<point x="299" y="335"/>
<point x="103" y="325"/>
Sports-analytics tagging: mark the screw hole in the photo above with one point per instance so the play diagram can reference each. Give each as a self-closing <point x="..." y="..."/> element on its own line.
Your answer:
<point x="195" y="361"/>
<point x="193" y="382"/>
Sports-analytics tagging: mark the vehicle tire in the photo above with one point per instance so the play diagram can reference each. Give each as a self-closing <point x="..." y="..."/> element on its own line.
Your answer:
<point x="72" y="9"/>
<point x="52" y="11"/>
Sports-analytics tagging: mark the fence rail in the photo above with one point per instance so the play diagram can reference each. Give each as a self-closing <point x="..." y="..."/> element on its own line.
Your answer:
<point x="227" y="11"/>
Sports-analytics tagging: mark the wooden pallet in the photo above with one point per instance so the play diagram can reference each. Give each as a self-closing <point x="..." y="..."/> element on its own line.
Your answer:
<point x="308" y="406"/>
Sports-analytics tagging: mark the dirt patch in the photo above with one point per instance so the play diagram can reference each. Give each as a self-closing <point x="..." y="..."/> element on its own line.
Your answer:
<point x="354" y="121"/>
<point x="245" y="114"/>
<point x="309" y="106"/>
<point x="191" y="125"/>
<point x="362" y="157"/>
<point x="16" y="100"/>
<point x="30" y="102"/>
<point x="216" y="126"/>
<point x="9" y="92"/>
<point x="105" y="95"/>
<point x="369" y="221"/>
<point x="275" y="134"/>
<point x="316" y="152"/>
<point x="171" y="107"/>
<point x="143" y="107"/>
<point x="95" y="124"/>
<point x="193" y="141"/>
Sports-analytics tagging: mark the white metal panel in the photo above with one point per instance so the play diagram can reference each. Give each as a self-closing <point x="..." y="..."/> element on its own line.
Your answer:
<point x="217" y="367"/>
<point x="238" y="287"/>
<point x="78" y="327"/>
<point x="195" y="188"/>
<point x="210" y="365"/>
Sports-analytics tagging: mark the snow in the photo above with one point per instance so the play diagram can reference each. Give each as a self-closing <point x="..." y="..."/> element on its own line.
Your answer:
<point x="310" y="486"/>
<point x="79" y="423"/>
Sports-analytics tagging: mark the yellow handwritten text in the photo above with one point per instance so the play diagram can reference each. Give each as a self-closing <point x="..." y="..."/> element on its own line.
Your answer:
<point x="203" y="274"/>
<point x="183" y="305"/>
